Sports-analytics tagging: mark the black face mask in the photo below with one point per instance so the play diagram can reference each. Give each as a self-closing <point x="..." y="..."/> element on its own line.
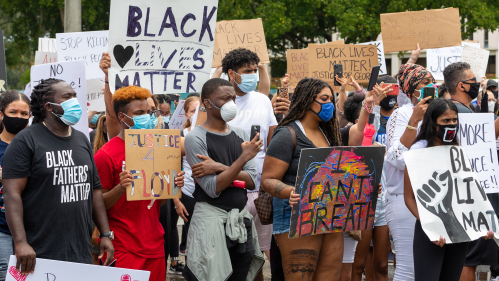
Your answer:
<point x="446" y="133"/>
<point x="474" y="89"/>
<point x="14" y="125"/>
<point x="388" y="103"/>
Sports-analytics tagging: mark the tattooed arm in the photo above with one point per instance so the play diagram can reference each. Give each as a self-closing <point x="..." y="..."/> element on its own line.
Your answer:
<point x="273" y="171"/>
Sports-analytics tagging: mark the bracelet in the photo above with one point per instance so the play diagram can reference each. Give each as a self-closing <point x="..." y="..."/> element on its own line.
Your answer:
<point x="413" y="58"/>
<point x="177" y="206"/>
<point x="107" y="82"/>
<point x="364" y="106"/>
<point x="412" y="128"/>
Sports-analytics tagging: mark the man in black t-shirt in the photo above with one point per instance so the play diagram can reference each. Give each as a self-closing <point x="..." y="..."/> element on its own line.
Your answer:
<point x="51" y="185"/>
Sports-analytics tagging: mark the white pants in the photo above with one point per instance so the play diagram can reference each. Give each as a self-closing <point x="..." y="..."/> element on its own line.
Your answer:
<point x="401" y="223"/>
<point x="349" y="246"/>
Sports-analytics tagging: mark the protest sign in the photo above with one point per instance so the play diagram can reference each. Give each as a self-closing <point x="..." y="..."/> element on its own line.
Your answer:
<point x="73" y="73"/>
<point x="47" y="45"/>
<point x="3" y="69"/>
<point x="338" y="189"/>
<point x="95" y="95"/>
<point x="478" y="138"/>
<point x="357" y="61"/>
<point x="451" y="203"/>
<point x="438" y="59"/>
<point x="154" y="159"/>
<point x="297" y="61"/>
<point x="381" y="55"/>
<point x="164" y="46"/>
<point x="51" y="270"/>
<point x="429" y="28"/>
<point x="477" y="58"/>
<point x="45" y="57"/>
<point x="233" y="34"/>
<point x="87" y="46"/>
<point x="178" y="118"/>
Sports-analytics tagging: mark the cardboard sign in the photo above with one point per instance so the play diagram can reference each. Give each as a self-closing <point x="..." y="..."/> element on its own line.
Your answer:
<point x="381" y="55"/>
<point x="47" y="45"/>
<point x="95" y="95"/>
<point x="357" y="61"/>
<point x="338" y="189"/>
<point x="87" y="46"/>
<point x="164" y="46"/>
<point x="73" y="73"/>
<point x="3" y="67"/>
<point x="154" y="159"/>
<point x="477" y="58"/>
<point x="451" y="202"/>
<point x="438" y="59"/>
<point x="51" y="270"/>
<point x="235" y="34"/>
<point x="478" y="139"/>
<point x="297" y="64"/>
<point x="178" y="118"/>
<point x="429" y="28"/>
<point x="45" y="57"/>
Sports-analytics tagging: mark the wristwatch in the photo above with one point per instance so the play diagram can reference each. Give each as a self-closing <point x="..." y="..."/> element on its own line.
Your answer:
<point x="109" y="235"/>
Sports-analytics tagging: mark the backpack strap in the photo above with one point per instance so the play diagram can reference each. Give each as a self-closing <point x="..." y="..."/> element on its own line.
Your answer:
<point x="293" y="137"/>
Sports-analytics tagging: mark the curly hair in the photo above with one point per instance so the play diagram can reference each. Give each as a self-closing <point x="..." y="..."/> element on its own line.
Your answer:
<point x="305" y="93"/>
<point x="123" y="96"/>
<point x="41" y="94"/>
<point x="352" y="107"/>
<point x="238" y="58"/>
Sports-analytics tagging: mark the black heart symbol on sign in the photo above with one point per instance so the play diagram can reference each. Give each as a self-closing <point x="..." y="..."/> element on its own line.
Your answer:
<point x="122" y="55"/>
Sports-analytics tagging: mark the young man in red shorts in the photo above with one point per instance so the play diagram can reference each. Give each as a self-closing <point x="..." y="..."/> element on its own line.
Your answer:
<point x="138" y="240"/>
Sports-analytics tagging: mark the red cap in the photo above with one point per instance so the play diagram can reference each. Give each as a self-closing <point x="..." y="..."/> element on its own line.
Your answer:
<point x="240" y="184"/>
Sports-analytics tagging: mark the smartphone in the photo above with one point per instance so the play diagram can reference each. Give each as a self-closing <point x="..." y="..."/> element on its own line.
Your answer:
<point x="174" y="97"/>
<point x="374" y="77"/>
<point x="429" y="92"/>
<point x="254" y="129"/>
<point x="394" y="91"/>
<point x="283" y="93"/>
<point x="338" y="70"/>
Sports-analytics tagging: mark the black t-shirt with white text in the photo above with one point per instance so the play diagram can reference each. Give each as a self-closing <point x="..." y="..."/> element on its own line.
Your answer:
<point x="57" y="199"/>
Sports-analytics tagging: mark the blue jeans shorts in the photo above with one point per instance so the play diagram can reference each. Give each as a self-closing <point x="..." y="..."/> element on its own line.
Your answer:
<point x="282" y="216"/>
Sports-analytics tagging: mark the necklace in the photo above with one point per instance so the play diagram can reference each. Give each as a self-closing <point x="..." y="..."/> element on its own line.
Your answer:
<point x="69" y="131"/>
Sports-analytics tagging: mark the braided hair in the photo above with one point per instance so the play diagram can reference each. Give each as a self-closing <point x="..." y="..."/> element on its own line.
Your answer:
<point x="305" y="93"/>
<point x="39" y="96"/>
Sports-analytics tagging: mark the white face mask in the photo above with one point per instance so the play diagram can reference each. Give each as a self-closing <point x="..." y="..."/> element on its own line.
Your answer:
<point x="228" y="111"/>
<point x="492" y="105"/>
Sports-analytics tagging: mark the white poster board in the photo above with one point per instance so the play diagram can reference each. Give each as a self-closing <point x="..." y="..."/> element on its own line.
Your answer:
<point x="451" y="203"/>
<point x="51" y="270"/>
<point x="45" y="57"/>
<point x="478" y="138"/>
<point x="47" y="45"/>
<point x="438" y="59"/>
<point x="95" y="95"/>
<point x="178" y="118"/>
<point x="164" y="46"/>
<point x="477" y="58"/>
<point x="73" y="72"/>
<point x="381" y="55"/>
<point x="87" y="46"/>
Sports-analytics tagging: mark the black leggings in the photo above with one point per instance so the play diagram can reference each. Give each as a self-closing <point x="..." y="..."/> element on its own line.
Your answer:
<point x="189" y="204"/>
<point x="168" y="219"/>
<point x="435" y="263"/>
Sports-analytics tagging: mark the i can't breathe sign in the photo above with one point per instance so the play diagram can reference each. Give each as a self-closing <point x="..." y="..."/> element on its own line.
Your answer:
<point x="164" y="46"/>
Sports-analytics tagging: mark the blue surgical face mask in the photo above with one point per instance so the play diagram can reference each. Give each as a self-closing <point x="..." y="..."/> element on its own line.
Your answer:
<point x="145" y="121"/>
<point x="248" y="82"/>
<point x="166" y="119"/>
<point x="94" y="119"/>
<point x="327" y="110"/>
<point x="72" y="111"/>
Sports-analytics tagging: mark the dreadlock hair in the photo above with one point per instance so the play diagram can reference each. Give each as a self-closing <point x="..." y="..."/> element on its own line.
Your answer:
<point x="238" y="58"/>
<point x="428" y="127"/>
<point x="41" y="94"/>
<point x="9" y="97"/>
<point x="305" y="93"/>
<point x="187" y="104"/>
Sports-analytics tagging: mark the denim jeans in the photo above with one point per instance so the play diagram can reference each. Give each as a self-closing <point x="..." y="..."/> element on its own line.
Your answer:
<point x="5" y="252"/>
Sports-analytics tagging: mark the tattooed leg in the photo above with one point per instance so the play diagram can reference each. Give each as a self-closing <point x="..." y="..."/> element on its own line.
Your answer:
<point x="299" y="256"/>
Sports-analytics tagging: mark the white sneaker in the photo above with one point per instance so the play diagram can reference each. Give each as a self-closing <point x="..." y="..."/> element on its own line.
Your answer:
<point x="495" y="278"/>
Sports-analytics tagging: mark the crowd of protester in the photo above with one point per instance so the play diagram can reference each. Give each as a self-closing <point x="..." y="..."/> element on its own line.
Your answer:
<point x="63" y="197"/>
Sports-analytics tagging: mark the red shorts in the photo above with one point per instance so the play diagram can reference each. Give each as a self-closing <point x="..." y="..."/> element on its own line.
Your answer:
<point x="157" y="266"/>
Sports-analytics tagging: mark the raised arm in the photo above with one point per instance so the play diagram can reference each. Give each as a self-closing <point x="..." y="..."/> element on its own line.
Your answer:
<point x="112" y="123"/>
<point x="414" y="55"/>
<point x="264" y="86"/>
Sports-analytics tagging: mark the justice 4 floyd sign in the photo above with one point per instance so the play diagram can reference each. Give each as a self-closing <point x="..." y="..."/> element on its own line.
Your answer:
<point x="50" y="270"/>
<point x="338" y="189"/>
<point x="164" y="46"/>
<point x="451" y="202"/>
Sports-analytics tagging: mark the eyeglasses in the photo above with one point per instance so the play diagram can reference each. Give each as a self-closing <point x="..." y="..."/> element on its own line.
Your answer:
<point x="464" y="81"/>
<point x="154" y="112"/>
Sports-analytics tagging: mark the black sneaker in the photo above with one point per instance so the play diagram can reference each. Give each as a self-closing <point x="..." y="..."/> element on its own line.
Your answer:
<point x="176" y="269"/>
